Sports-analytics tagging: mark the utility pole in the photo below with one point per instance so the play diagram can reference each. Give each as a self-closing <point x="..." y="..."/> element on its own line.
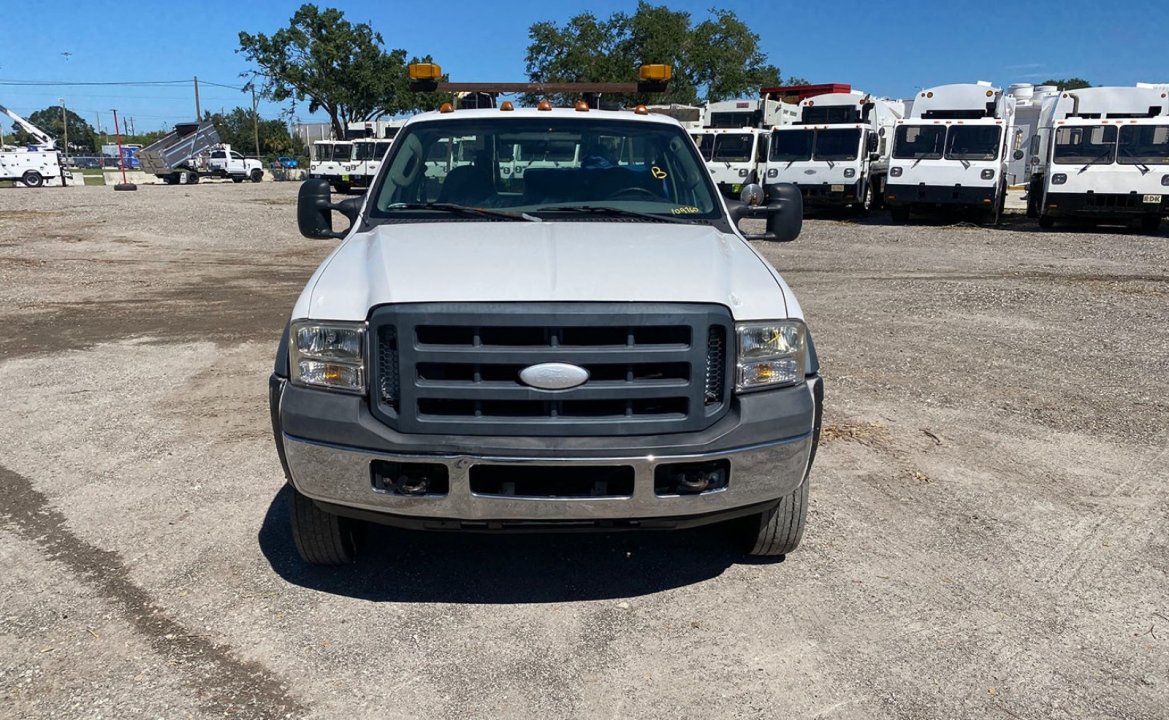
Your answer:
<point x="65" y="125"/>
<point x="198" y="111"/>
<point x="256" y="122"/>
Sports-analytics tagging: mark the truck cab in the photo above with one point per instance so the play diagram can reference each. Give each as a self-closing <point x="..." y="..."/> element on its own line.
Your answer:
<point x="228" y="163"/>
<point x="331" y="161"/>
<point x="366" y="159"/>
<point x="592" y="346"/>
<point x="1102" y="154"/>
<point x="837" y="154"/>
<point x="951" y="152"/>
<point x="735" y="156"/>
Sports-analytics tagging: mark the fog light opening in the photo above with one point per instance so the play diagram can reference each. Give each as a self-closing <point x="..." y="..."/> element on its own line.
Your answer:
<point x="410" y="479"/>
<point x="691" y="478"/>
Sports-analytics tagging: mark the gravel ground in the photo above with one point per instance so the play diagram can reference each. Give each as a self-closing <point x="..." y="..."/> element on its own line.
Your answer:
<point x="987" y="534"/>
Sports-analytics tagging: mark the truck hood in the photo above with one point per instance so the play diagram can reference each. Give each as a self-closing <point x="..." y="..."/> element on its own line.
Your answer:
<point x="544" y="262"/>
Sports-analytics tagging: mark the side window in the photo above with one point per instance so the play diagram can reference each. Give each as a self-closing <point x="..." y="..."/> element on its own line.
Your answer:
<point x="1035" y="144"/>
<point x="236" y="156"/>
<point x="218" y="155"/>
<point x="761" y="154"/>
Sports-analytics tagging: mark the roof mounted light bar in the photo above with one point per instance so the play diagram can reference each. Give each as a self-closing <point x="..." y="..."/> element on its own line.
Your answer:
<point x="425" y="77"/>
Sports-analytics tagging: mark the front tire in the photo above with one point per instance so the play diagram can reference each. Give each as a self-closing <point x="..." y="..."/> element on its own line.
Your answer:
<point x="1150" y="223"/>
<point x="777" y="531"/>
<point x="322" y="538"/>
<point x="32" y="179"/>
<point x="257" y="175"/>
<point x="1046" y="222"/>
<point x="900" y="214"/>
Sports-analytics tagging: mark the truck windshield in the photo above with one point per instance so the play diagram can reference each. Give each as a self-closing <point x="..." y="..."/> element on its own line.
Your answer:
<point x="1144" y="144"/>
<point x="322" y="152"/>
<point x="791" y="145"/>
<point x="973" y="142"/>
<point x="380" y="149"/>
<point x="551" y="167"/>
<point x="919" y="142"/>
<point x="842" y="144"/>
<point x="705" y="143"/>
<point x="733" y="147"/>
<point x="1093" y="144"/>
<point x="363" y="151"/>
<point x="342" y="151"/>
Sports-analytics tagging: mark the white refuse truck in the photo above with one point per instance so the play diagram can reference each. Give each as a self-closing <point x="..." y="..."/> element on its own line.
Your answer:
<point x="735" y="157"/>
<point x="331" y="160"/>
<point x="1101" y="154"/>
<point x="951" y="152"/>
<point x="838" y="151"/>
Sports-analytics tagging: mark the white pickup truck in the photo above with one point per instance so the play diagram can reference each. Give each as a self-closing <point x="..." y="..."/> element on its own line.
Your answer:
<point x="225" y="162"/>
<point x="595" y="347"/>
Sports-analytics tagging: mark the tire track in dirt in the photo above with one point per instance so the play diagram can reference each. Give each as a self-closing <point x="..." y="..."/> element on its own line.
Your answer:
<point x="225" y="685"/>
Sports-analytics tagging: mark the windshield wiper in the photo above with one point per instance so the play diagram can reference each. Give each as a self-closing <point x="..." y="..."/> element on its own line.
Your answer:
<point x="615" y="212"/>
<point x="1138" y="165"/>
<point x="1095" y="160"/>
<point x="464" y="210"/>
<point x="965" y="163"/>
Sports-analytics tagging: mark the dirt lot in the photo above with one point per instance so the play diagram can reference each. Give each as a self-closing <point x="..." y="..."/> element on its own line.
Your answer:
<point x="988" y="534"/>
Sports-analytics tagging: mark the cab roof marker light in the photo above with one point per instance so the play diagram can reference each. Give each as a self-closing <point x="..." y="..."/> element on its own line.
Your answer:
<point x="506" y="106"/>
<point x="581" y="106"/>
<point x="446" y="107"/>
<point x="641" y="110"/>
<point x="544" y="105"/>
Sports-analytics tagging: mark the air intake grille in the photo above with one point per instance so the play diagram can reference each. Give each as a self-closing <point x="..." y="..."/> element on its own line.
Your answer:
<point x="388" y="383"/>
<point x="716" y="365"/>
<point x="455" y="368"/>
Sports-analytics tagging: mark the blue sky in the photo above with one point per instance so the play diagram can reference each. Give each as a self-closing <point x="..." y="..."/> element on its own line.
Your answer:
<point x="891" y="48"/>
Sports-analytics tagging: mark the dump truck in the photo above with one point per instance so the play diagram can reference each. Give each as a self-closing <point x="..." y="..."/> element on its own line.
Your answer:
<point x="193" y="151"/>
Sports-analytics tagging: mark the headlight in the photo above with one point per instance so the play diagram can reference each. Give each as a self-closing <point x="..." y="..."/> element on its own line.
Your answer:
<point x="850" y="172"/>
<point x="329" y="355"/>
<point x="771" y="354"/>
<point x="742" y="172"/>
<point x="1165" y="179"/>
<point x="772" y="173"/>
<point x="895" y="172"/>
<point x="1059" y="179"/>
<point x="987" y="174"/>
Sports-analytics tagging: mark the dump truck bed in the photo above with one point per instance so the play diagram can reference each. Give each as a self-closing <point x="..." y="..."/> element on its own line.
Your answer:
<point x="174" y="149"/>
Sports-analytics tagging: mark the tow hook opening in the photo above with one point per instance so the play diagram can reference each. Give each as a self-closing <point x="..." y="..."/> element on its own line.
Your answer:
<point x="691" y="478"/>
<point x="410" y="479"/>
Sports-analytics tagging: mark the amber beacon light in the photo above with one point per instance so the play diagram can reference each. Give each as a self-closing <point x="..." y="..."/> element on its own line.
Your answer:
<point x="424" y="77"/>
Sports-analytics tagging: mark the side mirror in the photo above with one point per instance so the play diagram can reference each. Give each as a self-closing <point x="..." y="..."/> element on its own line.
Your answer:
<point x="1018" y="155"/>
<point x="315" y="206"/>
<point x="874" y="156"/>
<point x="784" y="213"/>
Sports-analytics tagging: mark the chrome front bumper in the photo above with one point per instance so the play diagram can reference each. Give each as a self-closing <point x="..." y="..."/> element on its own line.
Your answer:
<point x="342" y="476"/>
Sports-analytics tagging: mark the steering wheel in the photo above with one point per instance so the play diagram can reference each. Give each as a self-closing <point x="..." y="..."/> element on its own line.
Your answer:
<point x="633" y="191"/>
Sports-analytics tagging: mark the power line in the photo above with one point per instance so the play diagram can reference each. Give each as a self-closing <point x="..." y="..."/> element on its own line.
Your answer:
<point x="122" y="83"/>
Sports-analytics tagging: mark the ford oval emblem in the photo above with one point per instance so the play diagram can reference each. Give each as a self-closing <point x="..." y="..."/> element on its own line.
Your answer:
<point x="554" y="376"/>
<point x="809" y="171"/>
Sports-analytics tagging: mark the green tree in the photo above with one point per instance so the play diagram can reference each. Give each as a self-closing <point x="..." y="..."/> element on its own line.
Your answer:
<point x="239" y="128"/>
<point x="81" y="134"/>
<point x="1074" y="83"/>
<point x="717" y="59"/>
<point x="338" y="67"/>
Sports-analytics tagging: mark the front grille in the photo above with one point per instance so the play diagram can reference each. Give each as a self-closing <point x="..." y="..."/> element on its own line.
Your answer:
<point x="454" y="368"/>
<point x="1129" y="201"/>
